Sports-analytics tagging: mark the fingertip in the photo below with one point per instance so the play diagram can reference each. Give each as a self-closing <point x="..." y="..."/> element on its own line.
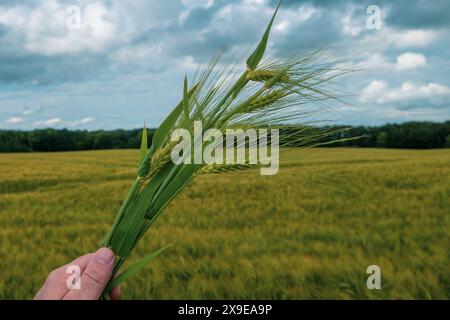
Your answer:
<point x="104" y="256"/>
<point x="95" y="277"/>
<point x="115" y="293"/>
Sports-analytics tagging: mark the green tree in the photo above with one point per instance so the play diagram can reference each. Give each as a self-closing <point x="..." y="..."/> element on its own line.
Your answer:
<point x="382" y="139"/>
<point x="447" y="141"/>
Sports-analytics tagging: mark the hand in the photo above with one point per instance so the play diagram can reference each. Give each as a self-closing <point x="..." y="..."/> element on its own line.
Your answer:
<point x="96" y="269"/>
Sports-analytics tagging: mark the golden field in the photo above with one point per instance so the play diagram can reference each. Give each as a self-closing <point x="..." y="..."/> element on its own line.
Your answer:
<point x="307" y="233"/>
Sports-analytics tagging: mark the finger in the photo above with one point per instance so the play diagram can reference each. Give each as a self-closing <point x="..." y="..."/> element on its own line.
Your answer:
<point x="95" y="277"/>
<point x="38" y="295"/>
<point x="115" y="294"/>
<point x="82" y="261"/>
<point x="55" y="287"/>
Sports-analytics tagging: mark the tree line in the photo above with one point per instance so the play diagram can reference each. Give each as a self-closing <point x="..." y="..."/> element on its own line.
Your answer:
<point x="410" y="135"/>
<point x="66" y="140"/>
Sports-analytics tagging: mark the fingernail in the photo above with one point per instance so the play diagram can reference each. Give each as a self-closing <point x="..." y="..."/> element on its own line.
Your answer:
<point x="104" y="256"/>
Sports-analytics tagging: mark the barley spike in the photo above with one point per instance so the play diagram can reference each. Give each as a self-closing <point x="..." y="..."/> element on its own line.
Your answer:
<point x="265" y="100"/>
<point x="264" y="75"/>
<point x="225" y="168"/>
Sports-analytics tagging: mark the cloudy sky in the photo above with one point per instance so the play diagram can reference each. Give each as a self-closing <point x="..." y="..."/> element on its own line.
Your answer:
<point x="123" y="63"/>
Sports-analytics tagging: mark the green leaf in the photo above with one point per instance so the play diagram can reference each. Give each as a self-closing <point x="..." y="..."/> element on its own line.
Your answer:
<point x="128" y="273"/>
<point x="126" y="232"/>
<point x="144" y="146"/>
<point x="167" y="125"/>
<point x="132" y="193"/>
<point x="170" y="189"/>
<point x="256" y="56"/>
<point x="186" y="101"/>
<point x="240" y="84"/>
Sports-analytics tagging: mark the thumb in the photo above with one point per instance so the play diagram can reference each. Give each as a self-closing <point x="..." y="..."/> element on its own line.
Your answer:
<point x="95" y="277"/>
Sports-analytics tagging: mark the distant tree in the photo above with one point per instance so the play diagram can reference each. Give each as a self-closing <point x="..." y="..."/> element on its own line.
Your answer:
<point x="104" y="140"/>
<point x="447" y="141"/>
<point x="382" y="139"/>
<point x="50" y="140"/>
<point x="13" y="141"/>
<point x="419" y="135"/>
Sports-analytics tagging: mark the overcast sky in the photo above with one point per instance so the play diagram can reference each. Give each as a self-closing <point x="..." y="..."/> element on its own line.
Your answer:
<point x="126" y="62"/>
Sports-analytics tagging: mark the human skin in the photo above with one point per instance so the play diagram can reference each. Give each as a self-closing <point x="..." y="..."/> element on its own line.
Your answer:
<point x="96" y="269"/>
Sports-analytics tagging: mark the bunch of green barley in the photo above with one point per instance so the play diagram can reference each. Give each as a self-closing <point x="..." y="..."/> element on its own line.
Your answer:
<point x="266" y="95"/>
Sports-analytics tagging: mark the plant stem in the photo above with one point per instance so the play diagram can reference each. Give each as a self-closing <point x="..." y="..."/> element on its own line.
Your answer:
<point x="117" y="266"/>
<point x="130" y="196"/>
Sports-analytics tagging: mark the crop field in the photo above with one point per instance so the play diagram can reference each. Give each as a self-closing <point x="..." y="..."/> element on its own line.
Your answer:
<point x="309" y="232"/>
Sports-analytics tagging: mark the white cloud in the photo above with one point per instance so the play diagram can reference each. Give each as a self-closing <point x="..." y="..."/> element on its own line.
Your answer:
<point x="83" y="121"/>
<point x="386" y="38"/>
<point x="373" y="91"/>
<point x="288" y="20"/>
<point x="409" y="61"/>
<point x="282" y="26"/>
<point x="50" y="122"/>
<point x="414" y="38"/>
<point x="379" y="92"/>
<point x="58" y="122"/>
<point x="406" y="61"/>
<point x="349" y="26"/>
<point x="15" y="120"/>
<point x="411" y="91"/>
<point x="43" y="28"/>
<point x="377" y="61"/>
<point x="191" y="4"/>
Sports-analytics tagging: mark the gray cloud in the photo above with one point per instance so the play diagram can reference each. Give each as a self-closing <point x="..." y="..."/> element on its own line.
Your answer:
<point x="161" y="39"/>
<point x="402" y="13"/>
<point x="198" y="31"/>
<point x="419" y="14"/>
<point x="41" y="70"/>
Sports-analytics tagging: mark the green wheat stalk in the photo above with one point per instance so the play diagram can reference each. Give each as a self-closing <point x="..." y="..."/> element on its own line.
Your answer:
<point x="268" y="94"/>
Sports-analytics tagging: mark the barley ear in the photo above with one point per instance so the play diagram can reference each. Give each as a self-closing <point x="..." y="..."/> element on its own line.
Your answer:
<point x="257" y="55"/>
<point x="276" y="78"/>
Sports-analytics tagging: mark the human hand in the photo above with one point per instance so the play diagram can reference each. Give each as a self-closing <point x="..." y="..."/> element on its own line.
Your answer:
<point x="95" y="271"/>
